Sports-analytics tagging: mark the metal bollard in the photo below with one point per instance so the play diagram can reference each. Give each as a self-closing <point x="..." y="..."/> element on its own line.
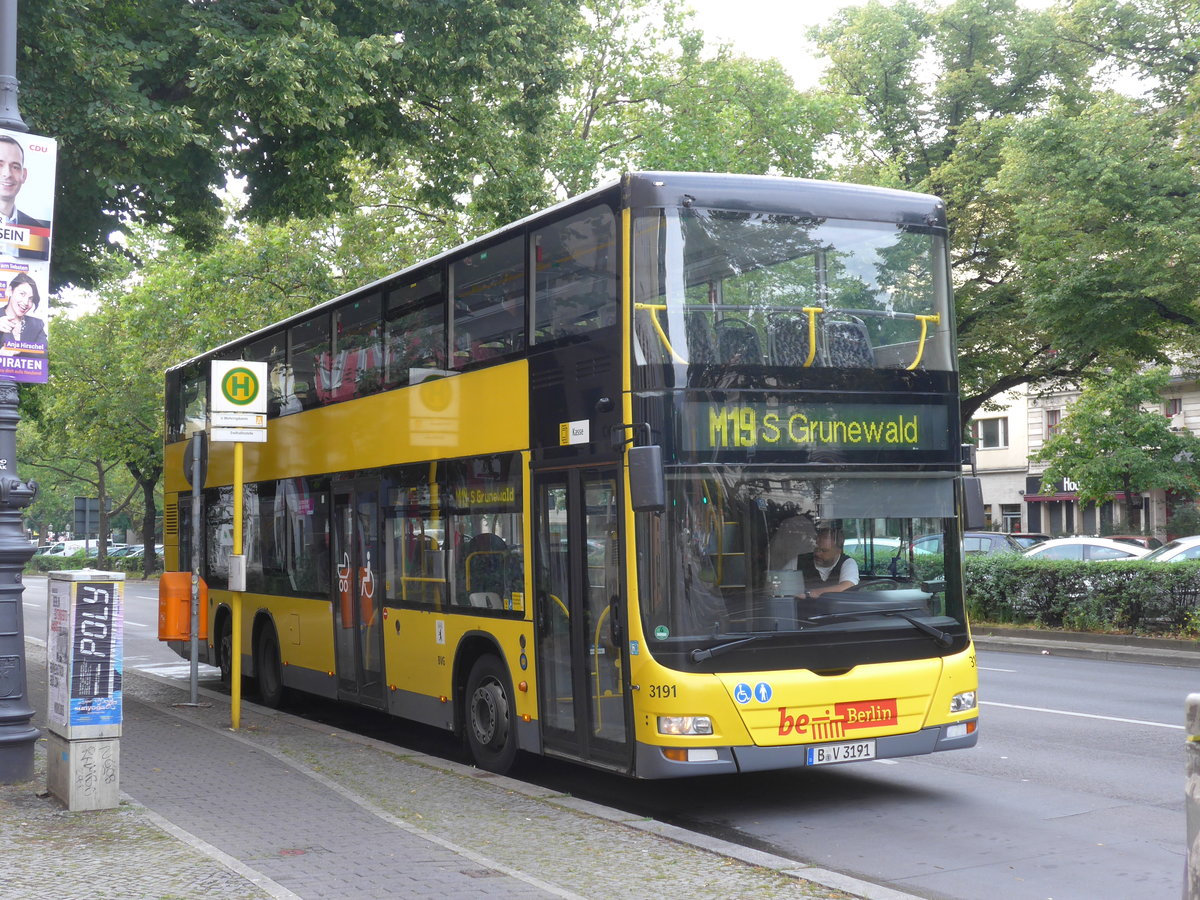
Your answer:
<point x="1191" y="874"/>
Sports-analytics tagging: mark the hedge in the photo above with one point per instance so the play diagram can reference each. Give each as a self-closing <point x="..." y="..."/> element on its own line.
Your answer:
<point x="1126" y="596"/>
<point x="40" y="565"/>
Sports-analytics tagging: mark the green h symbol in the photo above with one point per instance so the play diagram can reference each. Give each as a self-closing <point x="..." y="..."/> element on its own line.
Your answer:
<point x="240" y="386"/>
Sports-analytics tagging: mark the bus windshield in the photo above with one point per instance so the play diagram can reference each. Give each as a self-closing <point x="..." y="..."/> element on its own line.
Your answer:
<point x="719" y="287"/>
<point x="755" y="551"/>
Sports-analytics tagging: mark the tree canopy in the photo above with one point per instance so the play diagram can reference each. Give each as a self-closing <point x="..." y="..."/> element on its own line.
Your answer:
<point x="157" y="103"/>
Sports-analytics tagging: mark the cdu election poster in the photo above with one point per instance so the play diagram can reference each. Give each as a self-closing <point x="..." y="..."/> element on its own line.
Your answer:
<point x="27" y="172"/>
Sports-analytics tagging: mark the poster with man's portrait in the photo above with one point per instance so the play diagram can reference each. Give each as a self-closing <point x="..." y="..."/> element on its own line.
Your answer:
<point x="27" y="172"/>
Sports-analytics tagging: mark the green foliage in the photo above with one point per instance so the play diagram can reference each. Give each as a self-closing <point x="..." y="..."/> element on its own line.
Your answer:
<point x="155" y="103"/>
<point x="1127" y="596"/>
<point x="1184" y="521"/>
<point x="1071" y="209"/>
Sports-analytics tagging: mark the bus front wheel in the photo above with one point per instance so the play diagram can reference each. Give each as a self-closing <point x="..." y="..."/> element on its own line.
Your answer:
<point x="491" y="731"/>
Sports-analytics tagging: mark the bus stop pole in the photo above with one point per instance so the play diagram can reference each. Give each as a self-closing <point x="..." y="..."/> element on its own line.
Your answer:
<point x="236" y="575"/>
<point x="197" y="479"/>
<point x="1191" y="872"/>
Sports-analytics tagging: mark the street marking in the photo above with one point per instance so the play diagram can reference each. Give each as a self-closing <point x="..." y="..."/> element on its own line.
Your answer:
<point x="1064" y="712"/>
<point x="990" y="669"/>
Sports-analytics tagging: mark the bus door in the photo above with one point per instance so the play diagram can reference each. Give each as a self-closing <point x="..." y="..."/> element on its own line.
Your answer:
<point x="583" y="698"/>
<point x="358" y="595"/>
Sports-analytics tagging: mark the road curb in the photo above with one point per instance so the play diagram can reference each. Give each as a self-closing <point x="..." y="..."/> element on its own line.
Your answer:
<point x="1115" y="648"/>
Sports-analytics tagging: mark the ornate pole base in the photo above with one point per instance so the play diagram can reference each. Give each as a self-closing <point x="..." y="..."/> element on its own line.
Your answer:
<point x="17" y="734"/>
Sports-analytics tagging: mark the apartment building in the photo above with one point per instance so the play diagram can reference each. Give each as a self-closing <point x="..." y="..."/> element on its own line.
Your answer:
<point x="1017" y="427"/>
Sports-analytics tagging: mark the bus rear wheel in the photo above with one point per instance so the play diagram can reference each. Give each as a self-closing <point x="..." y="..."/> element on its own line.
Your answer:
<point x="225" y="649"/>
<point x="269" y="668"/>
<point x="490" y="726"/>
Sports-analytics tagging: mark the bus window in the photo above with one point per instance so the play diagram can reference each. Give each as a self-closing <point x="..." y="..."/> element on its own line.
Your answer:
<point x="576" y="282"/>
<point x="272" y="350"/>
<point x="489" y="303"/>
<point x="187" y="397"/>
<point x="355" y="366"/>
<point x="309" y="348"/>
<point x="414" y="332"/>
<point x="484" y="498"/>
<point x="740" y="288"/>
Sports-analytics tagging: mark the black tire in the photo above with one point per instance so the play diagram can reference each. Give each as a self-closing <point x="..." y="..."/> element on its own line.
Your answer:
<point x="490" y="723"/>
<point x="268" y="668"/>
<point x="224" y="649"/>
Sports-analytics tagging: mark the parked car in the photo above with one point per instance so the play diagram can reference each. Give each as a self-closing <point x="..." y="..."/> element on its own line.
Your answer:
<point x="1142" y="540"/>
<point x="1178" y="550"/>
<point x="137" y="551"/>
<point x="975" y="543"/>
<point x="1028" y="539"/>
<point x="67" y="548"/>
<point x="1085" y="548"/>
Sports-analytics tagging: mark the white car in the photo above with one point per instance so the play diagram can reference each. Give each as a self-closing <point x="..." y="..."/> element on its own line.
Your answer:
<point x="1085" y="548"/>
<point x="1178" y="550"/>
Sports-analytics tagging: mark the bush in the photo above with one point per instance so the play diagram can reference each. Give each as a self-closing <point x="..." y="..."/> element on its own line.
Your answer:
<point x="40" y="565"/>
<point x="1128" y="596"/>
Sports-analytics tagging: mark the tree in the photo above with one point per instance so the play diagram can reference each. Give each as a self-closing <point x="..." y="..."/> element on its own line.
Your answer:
<point x="156" y="103"/>
<point x="1053" y="188"/>
<point x="1109" y="441"/>
<point x="647" y="93"/>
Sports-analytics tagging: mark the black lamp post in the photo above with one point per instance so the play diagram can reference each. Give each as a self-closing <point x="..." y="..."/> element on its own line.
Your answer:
<point x="17" y="734"/>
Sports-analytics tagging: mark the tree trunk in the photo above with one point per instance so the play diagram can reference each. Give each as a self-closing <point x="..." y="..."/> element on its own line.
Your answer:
<point x="148" y="481"/>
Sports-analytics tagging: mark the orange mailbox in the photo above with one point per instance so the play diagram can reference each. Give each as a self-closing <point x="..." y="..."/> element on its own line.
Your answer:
<point x="175" y="607"/>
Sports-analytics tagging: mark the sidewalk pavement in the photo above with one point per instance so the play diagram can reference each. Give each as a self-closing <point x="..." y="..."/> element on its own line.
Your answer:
<point x="286" y="808"/>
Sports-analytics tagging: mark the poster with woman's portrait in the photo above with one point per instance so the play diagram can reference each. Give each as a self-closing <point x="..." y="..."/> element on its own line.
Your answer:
<point x="27" y="164"/>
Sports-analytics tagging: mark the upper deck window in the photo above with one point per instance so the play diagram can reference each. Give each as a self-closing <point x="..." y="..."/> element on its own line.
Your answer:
<point x="489" y="303"/>
<point x="746" y="288"/>
<point x="354" y="368"/>
<point x="415" y="331"/>
<point x="576" y="282"/>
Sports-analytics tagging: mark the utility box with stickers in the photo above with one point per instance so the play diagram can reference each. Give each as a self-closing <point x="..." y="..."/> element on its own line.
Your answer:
<point x="84" y="658"/>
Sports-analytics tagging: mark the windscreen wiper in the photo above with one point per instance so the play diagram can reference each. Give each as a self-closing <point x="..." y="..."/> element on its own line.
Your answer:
<point x="941" y="638"/>
<point x="700" y="654"/>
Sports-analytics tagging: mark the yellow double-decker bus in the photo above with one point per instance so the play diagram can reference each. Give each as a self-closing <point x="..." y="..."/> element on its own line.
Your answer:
<point x="634" y="481"/>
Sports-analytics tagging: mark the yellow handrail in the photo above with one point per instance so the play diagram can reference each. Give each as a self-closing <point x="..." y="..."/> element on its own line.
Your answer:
<point x="924" y="320"/>
<point x="654" y="309"/>
<point x="811" y="312"/>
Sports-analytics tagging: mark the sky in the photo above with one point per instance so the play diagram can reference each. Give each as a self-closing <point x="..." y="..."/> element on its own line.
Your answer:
<point x="765" y="29"/>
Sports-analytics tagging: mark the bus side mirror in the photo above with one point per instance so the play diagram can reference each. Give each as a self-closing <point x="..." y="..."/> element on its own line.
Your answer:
<point x="647" y="489"/>
<point x="973" y="518"/>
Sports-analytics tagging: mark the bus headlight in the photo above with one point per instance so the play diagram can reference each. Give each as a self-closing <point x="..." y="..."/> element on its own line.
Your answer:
<point x="685" y="725"/>
<point x="962" y="702"/>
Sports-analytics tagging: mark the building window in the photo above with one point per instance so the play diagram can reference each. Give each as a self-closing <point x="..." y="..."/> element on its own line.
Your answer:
<point x="990" y="434"/>
<point x="1174" y="406"/>
<point x="1053" y="419"/>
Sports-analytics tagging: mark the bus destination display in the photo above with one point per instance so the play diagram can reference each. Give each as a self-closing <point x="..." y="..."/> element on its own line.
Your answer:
<point x="781" y="426"/>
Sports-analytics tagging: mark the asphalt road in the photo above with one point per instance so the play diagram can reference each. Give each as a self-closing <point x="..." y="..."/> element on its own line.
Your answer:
<point x="1074" y="791"/>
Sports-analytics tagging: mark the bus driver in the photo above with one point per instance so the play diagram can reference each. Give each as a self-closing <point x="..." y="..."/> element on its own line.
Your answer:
<point x="827" y="568"/>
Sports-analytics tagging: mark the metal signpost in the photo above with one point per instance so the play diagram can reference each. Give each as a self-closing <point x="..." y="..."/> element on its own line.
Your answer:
<point x="239" y="414"/>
